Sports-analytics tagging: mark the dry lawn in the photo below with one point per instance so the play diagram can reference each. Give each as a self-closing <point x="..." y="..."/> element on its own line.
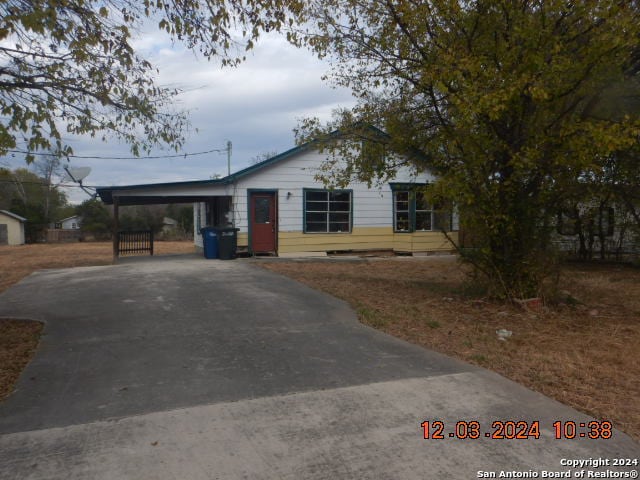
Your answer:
<point x="16" y="262"/>
<point x="584" y="354"/>
<point x="18" y="342"/>
<point x="19" y="338"/>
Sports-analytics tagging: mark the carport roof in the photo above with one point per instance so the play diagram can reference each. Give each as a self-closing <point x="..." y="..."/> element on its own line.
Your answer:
<point x="107" y="193"/>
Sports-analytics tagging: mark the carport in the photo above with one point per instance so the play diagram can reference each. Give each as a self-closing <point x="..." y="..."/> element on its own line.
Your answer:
<point x="212" y="193"/>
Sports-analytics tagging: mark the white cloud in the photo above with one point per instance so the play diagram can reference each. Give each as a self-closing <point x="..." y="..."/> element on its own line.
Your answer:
<point x="255" y="105"/>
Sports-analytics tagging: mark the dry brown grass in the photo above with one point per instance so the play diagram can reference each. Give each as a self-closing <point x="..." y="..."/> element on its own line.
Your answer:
<point x="18" y="342"/>
<point x="584" y="355"/>
<point x="16" y="262"/>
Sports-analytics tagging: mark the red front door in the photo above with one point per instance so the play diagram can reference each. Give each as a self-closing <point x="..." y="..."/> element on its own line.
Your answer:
<point x="263" y="222"/>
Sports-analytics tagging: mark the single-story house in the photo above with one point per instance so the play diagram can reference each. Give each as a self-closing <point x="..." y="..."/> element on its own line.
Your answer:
<point x="11" y="228"/>
<point x="169" y="224"/>
<point x="591" y="228"/>
<point x="70" y="223"/>
<point x="280" y="208"/>
<point x="65" y="230"/>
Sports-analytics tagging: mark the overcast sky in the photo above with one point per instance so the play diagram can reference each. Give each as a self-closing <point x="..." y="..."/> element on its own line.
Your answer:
<point x="255" y="106"/>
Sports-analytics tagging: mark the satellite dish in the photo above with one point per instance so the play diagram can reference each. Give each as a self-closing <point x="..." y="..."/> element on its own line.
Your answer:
<point x="76" y="174"/>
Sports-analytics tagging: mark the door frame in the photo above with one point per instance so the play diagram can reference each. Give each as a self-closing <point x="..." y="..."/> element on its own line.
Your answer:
<point x="250" y="192"/>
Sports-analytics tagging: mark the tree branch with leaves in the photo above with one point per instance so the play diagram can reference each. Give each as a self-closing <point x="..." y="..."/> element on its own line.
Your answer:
<point x="506" y="102"/>
<point x="69" y="67"/>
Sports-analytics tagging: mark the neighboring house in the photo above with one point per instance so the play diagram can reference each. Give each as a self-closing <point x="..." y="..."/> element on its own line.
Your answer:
<point x="69" y="223"/>
<point x="65" y="230"/>
<point x="592" y="230"/>
<point x="279" y="207"/>
<point x="11" y="228"/>
<point x="169" y="225"/>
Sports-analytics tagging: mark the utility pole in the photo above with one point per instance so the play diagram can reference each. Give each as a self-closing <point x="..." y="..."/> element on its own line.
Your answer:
<point x="228" y="157"/>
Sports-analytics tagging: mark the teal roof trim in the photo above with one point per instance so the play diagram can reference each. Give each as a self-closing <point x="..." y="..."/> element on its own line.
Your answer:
<point x="106" y="192"/>
<point x="143" y="186"/>
<point x="266" y="163"/>
<point x="290" y="153"/>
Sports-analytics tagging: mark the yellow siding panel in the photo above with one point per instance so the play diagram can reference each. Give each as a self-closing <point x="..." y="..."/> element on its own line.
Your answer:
<point x="402" y="241"/>
<point x="243" y="239"/>
<point x="360" y="239"/>
<point x="363" y="238"/>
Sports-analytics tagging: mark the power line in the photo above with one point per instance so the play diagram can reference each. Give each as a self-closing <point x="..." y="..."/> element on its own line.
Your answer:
<point x="44" y="184"/>
<point x="92" y="157"/>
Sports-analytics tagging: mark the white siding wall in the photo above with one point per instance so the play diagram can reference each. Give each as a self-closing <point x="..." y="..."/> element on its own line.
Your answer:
<point x="198" y="215"/>
<point x="371" y="207"/>
<point x="15" y="229"/>
<point x="71" y="223"/>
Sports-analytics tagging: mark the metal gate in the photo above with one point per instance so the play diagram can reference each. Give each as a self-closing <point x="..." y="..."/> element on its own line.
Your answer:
<point x="135" y="242"/>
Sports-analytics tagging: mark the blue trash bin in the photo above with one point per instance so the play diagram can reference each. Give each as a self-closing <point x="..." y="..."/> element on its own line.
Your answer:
<point x="209" y="242"/>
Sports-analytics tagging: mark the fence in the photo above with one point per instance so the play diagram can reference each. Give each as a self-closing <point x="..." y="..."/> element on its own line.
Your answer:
<point x="614" y="249"/>
<point x="136" y="242"/>
<point x="55" y="236"/>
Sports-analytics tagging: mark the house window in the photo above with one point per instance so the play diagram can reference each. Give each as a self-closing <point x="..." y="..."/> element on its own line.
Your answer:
<point x="568" y="223"/>
<point x="402" y="213"/>
<point x="571" y="222"/>
<point x="74" y="225"/>
<point x="327" y="211"/>
<point x="608" y="221"/>
<point x="413" y="213"/>
<point x="424" y="213"/>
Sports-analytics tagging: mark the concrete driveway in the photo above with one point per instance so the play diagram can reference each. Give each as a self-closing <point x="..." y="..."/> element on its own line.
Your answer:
<point x="182" y="368"/>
